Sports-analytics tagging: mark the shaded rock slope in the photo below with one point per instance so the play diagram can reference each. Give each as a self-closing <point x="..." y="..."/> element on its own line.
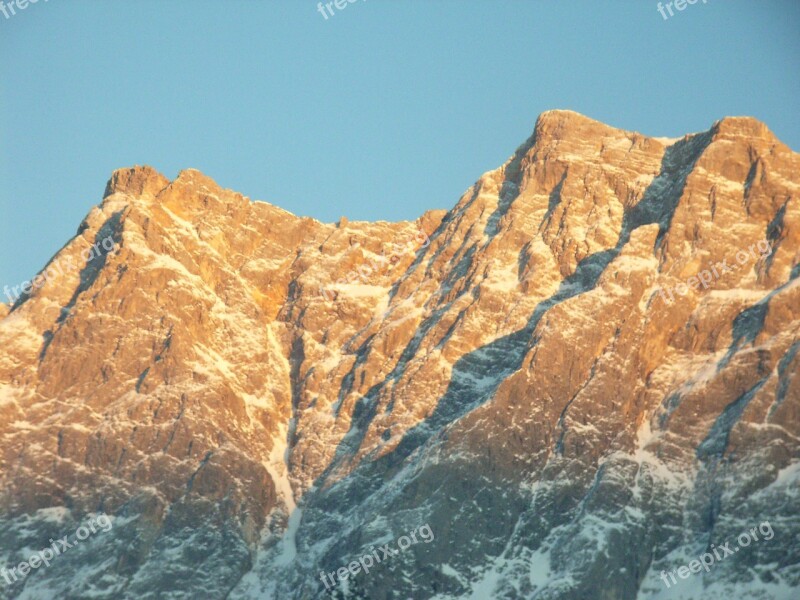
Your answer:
<point x="539" y="374"/>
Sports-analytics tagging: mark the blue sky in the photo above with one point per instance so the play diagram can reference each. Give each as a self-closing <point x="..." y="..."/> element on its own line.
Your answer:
<point x="382" y="111"/>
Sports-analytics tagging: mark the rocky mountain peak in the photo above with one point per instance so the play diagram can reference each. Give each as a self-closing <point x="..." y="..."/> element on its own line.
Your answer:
<point x="560" y="124"/>
<point x="584" y="372"/>
<point x="136" y="181"/>
<point x="742" y="128"/>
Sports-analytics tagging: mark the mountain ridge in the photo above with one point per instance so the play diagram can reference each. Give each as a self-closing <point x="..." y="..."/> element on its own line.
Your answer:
<point x="285" y="393"/>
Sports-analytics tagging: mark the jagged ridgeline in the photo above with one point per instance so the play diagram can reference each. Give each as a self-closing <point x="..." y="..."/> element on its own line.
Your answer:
<point x="249" y="416"/>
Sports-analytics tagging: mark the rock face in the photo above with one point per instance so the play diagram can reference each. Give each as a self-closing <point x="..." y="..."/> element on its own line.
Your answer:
<point x="584" y="374"/>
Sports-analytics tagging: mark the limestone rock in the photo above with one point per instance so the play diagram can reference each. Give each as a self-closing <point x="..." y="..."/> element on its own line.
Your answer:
<point x="582" y="374"/>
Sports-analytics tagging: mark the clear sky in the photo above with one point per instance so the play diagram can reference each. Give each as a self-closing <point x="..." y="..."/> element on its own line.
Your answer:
<point x="382" y="111"/>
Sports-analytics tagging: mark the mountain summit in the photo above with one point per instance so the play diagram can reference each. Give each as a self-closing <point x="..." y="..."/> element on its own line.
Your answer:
<point x="581" y="377"/>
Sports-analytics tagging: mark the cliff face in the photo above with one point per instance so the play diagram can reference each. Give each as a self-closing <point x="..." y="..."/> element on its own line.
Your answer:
<point x="583" y="374"/>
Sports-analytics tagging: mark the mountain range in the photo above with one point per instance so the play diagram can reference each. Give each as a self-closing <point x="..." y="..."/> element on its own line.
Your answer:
<point x="580" y="378"/>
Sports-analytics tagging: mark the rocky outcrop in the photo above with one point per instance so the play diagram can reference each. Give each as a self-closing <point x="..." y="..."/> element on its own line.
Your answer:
<point x="582" y="375"/>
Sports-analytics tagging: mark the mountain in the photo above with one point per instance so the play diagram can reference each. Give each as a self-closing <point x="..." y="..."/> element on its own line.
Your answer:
<point x="573" y="383"/>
